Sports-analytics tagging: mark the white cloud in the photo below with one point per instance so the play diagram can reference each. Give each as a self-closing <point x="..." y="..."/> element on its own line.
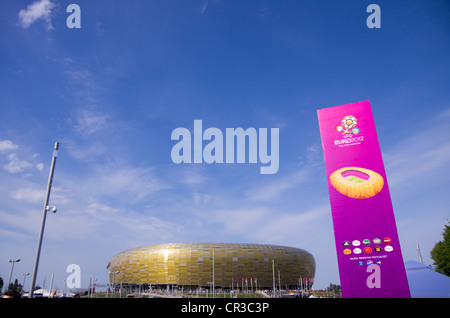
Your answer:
<point x="264" y="224"/>
<point x="193" y="177"/>
<point x="285" y="227"/>
<point x="275" y="189"/>
<point x="97" y="207"/>
<point x="86" y="152"/>
<point x="16" y="165"/>
<point x="237" y="221"/>
<point x="203" y="7"/>
<point x="34" y="195"/>
<point x="80" y="76"/>
<point x="110" y="187"/>
<point x="422" y="159"/>
<point x="131" y="183"/>
<point x="29" y="195"/>
<point x="16" y="221"/>
<point x="37" y="11"/>
<point x="88" y="122"/>
<point x="205" y="4"/>
<point x="6" y="145"/>
<point x="200" y="198"/>
<point x="141" y="228"/>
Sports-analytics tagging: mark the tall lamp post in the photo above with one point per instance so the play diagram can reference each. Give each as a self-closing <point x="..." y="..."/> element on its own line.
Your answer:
<point x="44" y="215"/>
<point x="12" y="268"/>
<point x="23" y="284"/>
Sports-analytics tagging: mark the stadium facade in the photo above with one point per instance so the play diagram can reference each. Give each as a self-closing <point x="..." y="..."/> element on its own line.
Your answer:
<point x="221" y="265"/>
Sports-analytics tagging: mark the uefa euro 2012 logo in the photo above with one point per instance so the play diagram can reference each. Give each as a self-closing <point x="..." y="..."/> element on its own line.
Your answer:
<point x="348" y="125"/>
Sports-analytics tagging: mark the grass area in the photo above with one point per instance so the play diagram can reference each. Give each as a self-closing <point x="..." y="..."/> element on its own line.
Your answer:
<point x="321" y="294"/>
<point x="227" y="295"/>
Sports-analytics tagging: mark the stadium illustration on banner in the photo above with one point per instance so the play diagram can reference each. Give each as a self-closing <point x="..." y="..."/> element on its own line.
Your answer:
<point x="357" y="183"/>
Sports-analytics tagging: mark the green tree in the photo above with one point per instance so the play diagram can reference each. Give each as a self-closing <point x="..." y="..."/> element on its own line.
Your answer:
<point x="440" y="253"/>
<point x="14" y="286"/>
<point x="334" y="288"/>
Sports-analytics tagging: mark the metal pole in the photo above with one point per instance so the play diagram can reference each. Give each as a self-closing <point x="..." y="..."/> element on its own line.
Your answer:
<point x="44" y="214"/>
<point x="23" y="284"/>
<point x="420" y="255"/>
<point x="51" y="285"/>
<point x="279" y="282"/>
<point x="12" y="269"/>
<point x="273" y="276"/>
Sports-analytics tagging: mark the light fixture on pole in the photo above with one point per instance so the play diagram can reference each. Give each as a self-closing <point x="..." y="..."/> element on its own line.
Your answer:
<point x="12" y="268"/>
<point x="44" y="215"/>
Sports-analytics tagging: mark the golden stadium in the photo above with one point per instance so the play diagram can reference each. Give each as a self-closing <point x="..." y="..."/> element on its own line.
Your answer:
<point x="217" y="265"/>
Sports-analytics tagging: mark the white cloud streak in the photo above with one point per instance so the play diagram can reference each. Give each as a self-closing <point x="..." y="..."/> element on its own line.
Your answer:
<point x="29" y="195"/>
<point x="134" y="184"/>
<point x="6" y="145"/>
<point x="421" y="159"/>
<point x="274" y="190"/>
<point x="40" y="10"/>
<point x="88" y="121"/>
<point x="16" y="165"/>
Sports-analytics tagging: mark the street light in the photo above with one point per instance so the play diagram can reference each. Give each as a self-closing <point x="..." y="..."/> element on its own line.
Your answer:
<point x="23" y="284"/>
<point x="12" y="268"/>
<point x="172" y="280"/>
<point x="114" y="282"/>
<point x="44" y="215"/>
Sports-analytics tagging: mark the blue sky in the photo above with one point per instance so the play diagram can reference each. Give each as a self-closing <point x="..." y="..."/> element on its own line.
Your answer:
<point x="113" y="91"/>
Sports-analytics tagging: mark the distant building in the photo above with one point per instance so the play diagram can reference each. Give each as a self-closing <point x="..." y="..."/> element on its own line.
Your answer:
<point x="221" y="265"/>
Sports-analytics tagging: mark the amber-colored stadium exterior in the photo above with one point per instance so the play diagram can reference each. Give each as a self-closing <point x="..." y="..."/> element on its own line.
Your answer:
<point x="198" y="264"/>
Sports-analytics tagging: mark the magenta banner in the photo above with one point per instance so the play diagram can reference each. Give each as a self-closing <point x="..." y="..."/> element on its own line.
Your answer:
<point x="368" y="249"/>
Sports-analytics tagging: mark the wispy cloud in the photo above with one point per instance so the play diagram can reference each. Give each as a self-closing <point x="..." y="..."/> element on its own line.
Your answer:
<point x="40" y="10"/>
<point x="16" y="165"/>
<point x="236" y="221"/>
<point x="100" y="208"/>
<point x="203" y="7"/>
<point x="29" y="195"/>
<point x="262" y="223"/>
<point x="286" y="226"/>
<point x="201" y="198"/>
<point x="274" y="190"/>
<point x="6" y="145"/>
<point x="88" y="115"/>
<point x="193" y="177"/>
<point x="133" y="183"/>
<point x="32" y="194"/>
<point x="422" y="158"/>
<point x="86" y="152"/>
<point x="206" y="3"/>
<point x="89" y="121"/>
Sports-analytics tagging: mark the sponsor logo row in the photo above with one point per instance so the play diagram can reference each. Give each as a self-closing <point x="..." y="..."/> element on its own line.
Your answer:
<point x="368" y="250"/>
<point x="375" y="241"/>
<point x="378" y="262"/>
